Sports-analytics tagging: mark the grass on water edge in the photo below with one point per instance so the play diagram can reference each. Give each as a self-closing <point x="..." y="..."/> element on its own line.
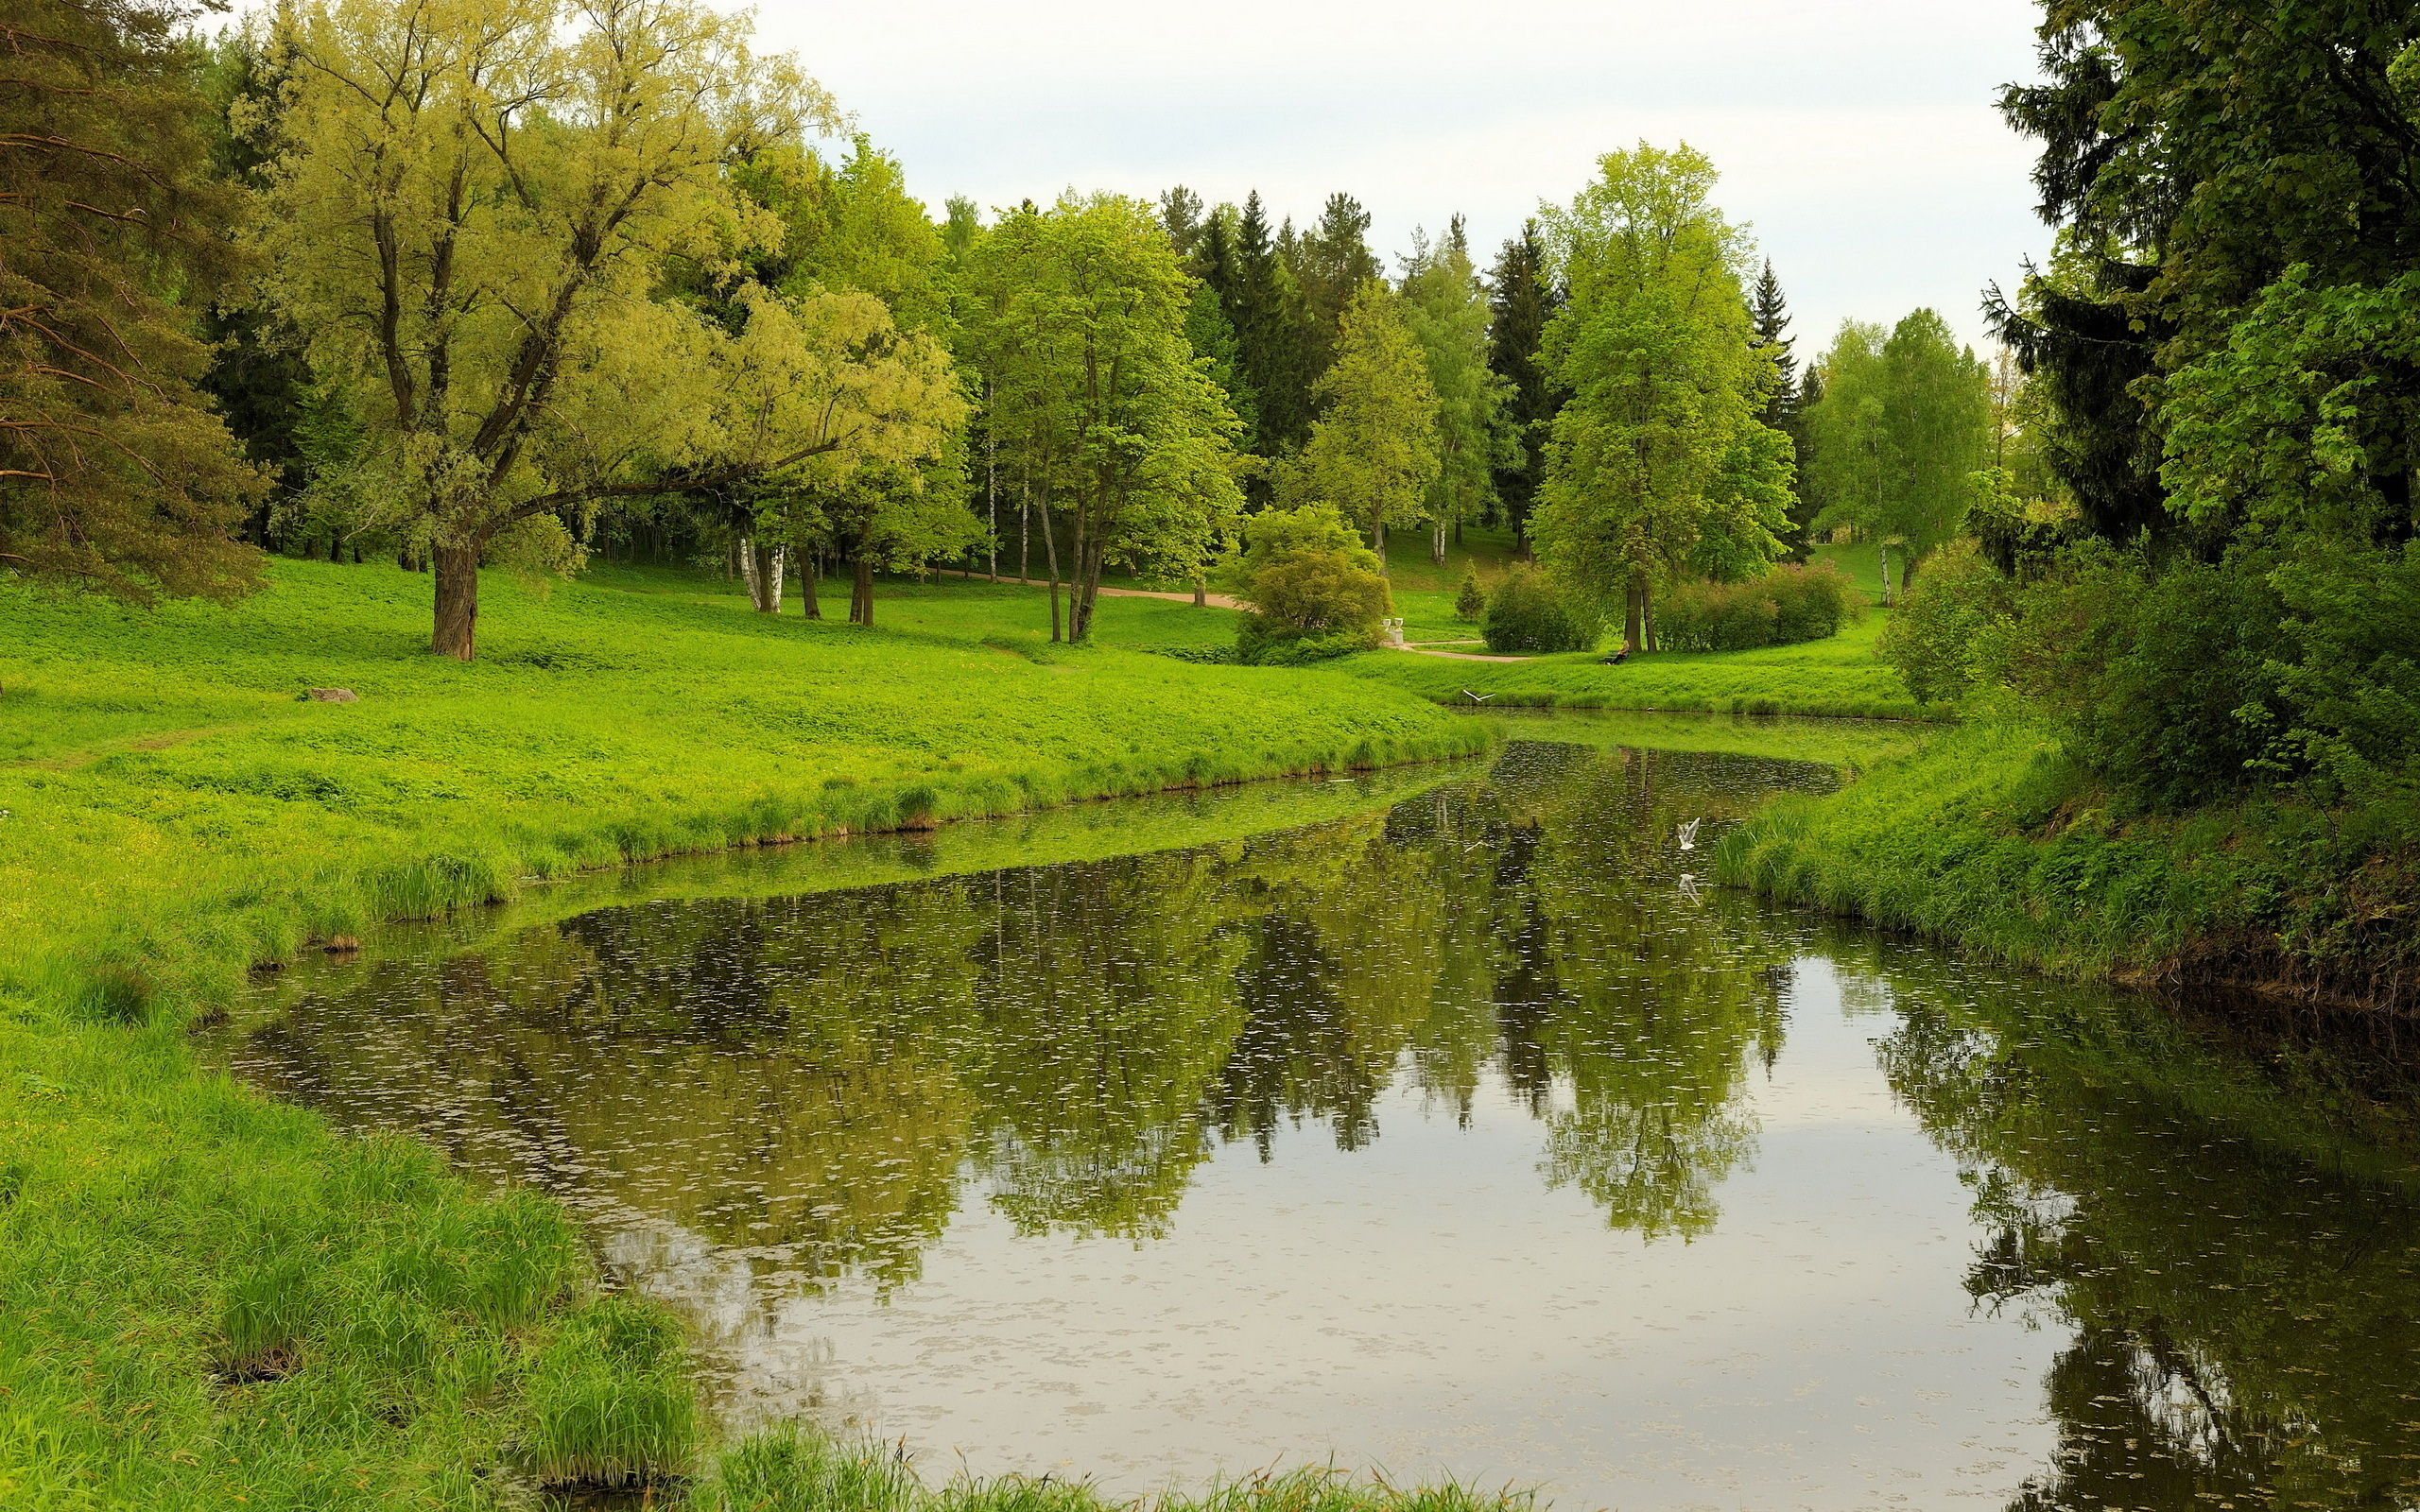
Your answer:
<point x="1990" y="836"/>
<point x="209" y="1300"/>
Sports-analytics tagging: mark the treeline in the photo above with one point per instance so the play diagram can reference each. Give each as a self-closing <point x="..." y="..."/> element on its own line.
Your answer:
<point x="386" y="279"/>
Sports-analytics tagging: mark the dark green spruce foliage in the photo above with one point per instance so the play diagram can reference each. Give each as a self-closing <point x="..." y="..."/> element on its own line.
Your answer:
<point x="1521" y="300"/>
<point x="1331" y="261"/>
<point x="1787" y="606"/>
<point x="1770" y="312"/>
<point x="1527" y="615"/>
<point x="1469" y="600"/>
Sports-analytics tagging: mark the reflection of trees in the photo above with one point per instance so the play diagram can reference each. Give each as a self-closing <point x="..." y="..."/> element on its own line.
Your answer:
<point x="808" y="1080"/>
<point x="2241" y="1286"/>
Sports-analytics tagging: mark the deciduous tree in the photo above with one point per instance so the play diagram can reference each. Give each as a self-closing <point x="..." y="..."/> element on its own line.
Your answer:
<point x="1373" y="455"/>
<point x="1446" y="309"/>
<point x="1660" y="465"/>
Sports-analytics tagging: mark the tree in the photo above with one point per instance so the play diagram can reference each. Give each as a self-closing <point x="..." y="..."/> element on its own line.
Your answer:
<point x="1659" y="465"/>
<point x="1768" y="311"/>
<point x="1261" y="301"/>
<point x="1102" y="410"/>
<point x="1331" y="262"/>
<point x="114" y="476"/>
<point x="852" y="226"/>
<point x="470" y="222"/>
<point x="1903" y="427"/>
<point x="1521" y="302"/>
<point x="1373" y="455"/>
<point x="1446" y="309"/>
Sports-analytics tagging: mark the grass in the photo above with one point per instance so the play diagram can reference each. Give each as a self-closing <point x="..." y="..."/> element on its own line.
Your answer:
<point x="1991" y="837"/>
<point x="1838" y="678"/>
<point x="209" y="1300"/>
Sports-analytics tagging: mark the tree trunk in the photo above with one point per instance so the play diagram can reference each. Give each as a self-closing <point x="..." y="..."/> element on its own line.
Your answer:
<point x="1647" y="617"/>
<point x="861" y="606"/>
<point x="1050" y="554"/>
<point x="1024" y="536"/>
<point x="457" y="633"/>
<point x="1201" y="593"/>
<point x="1437" y="543"/>
<point x="991" y="482"/>
<point x="808" y="587"/>
<point x="1633" y="604"/>
<point x="1884" y="553"/>
<point x="762" y="566"/>
<point x="1378" y="544"/>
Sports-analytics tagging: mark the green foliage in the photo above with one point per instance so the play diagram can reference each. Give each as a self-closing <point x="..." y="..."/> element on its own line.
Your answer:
<point x="1994" y="838"/>
<point x="1313" y="589"/>
<point x="1522" y="299"/>
<point x="1527" y="615"/>
<point x="1374" y="454"/>
<point x="1469" y="600"/>
<point x="1949" y="625"/>
<point x="114" y="476"/>
<point x="1902" y="430"/>
<point x="1660" y="467"/>
<point x="1446" y="309"/>
<point x="1784" y="607"/>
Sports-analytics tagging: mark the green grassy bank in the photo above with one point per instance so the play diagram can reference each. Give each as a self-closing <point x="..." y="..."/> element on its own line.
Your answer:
<point x="1988" y="835"/>
<point x="1837" y="678"/>
<point x="207" y="1299"/>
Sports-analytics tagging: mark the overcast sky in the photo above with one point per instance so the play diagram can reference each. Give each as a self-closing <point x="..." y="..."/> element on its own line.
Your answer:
<point x="1858" y="139"/>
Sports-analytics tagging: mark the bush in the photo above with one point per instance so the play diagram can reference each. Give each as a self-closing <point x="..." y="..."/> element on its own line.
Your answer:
<point x="1469" y="600"/>
<point x="1527" y="615"/>
<point x="1313" y="591"/>
<point x="1788" y="605"/>
<point x="1949" y="625"/>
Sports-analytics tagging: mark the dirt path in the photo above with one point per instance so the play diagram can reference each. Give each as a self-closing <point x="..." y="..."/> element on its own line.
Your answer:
<point x="1456" y="656"/>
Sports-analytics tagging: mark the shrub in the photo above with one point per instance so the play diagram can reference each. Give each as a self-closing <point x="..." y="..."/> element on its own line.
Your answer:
<point x="1948" y="626"/>
<point x="1312" y="589"/>
<point x="1526" y="614"/>
<point x="1469" y="600"/>
<point x="1788" y="605"/>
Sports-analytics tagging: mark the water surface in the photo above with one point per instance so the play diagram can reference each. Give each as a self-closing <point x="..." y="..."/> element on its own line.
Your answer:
<point x="1459" y="1131"/>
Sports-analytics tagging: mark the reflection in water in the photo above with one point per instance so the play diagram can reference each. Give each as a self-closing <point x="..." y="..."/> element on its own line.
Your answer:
<point x="1458" y="1135"/>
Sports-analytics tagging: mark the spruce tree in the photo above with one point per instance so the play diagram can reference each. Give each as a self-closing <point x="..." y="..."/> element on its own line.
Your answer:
<point x="1768" y="311"/>
<point x="1521" y="302"/>
<point x="1260" y="308"/>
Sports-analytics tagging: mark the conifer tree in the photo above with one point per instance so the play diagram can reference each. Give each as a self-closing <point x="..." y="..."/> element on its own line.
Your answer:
<point x="114" y="476"/>
<point x="1259" y="306"/>
<point x="1521" y="300"/>
<point x="1769" y="314"/>
<point x="1331" y="262"/>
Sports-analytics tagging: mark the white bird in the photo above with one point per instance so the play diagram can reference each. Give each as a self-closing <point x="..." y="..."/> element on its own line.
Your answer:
<point x="1689" y="835"/>
<point x="1477" y="697"/>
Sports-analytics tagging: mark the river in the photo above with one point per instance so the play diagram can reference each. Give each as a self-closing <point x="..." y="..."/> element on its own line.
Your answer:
<point x="1449" y="1122"/>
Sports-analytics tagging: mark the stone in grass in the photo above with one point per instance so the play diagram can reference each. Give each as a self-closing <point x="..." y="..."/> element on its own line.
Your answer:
<point x="331" y="696"/>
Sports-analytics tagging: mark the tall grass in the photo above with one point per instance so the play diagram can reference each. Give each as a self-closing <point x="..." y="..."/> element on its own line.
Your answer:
<point x="796" y="1469"/>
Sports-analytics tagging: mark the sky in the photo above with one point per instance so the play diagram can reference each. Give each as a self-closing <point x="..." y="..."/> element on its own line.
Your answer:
<point x="1857" y="140"/>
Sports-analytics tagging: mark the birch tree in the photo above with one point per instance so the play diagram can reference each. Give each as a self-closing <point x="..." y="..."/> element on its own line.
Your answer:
<point x="1446" y="309"/>
<point x="1374" y="454"/>
<point x="1103" y="413"/>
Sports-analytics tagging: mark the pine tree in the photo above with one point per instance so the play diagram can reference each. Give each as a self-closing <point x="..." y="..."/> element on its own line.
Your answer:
<point x="1331" y="262"/>
<point x="1521" y="302"/>
<point x="114" y="476"/>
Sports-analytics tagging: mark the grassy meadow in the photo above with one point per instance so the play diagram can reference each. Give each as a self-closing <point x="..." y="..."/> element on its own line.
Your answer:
<point x="209" y="1300"/>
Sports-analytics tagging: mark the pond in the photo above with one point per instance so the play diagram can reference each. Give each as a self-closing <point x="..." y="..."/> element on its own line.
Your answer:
<point x="1450" y="1123"/>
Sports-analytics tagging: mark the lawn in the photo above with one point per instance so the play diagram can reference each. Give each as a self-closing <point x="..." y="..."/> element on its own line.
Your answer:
<point x="1840" y="677"/>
